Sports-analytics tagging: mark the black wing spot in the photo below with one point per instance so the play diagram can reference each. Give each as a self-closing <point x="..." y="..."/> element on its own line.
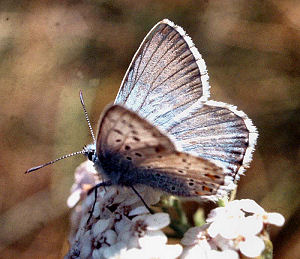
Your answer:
<point x="134" y="132"/>
<point x="129" y="158"/>
<point x="236" y="152"/>
<point x="160" y="148"/>
<point x="173" y="188"/>
<point x="118" y="140"/>
<point x="191" y="183"/>
<point x="181" y="171"/>
<point x="90" y="156"/>
<point x="118" y="131"/>
<point x="138" y="154"/>
<point x="136" y="138"/>
<point x="127" y="147"/>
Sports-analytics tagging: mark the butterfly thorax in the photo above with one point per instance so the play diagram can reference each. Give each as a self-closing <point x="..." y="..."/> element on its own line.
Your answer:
<point x="111" y="166"/>
<point x="117" y="169"/>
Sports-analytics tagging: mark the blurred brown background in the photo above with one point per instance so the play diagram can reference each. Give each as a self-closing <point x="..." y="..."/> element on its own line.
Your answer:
<point x="51" y="49"/>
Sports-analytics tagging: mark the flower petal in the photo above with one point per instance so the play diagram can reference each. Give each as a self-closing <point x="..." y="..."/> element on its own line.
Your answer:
<point x="251" y="206"/>
<point x="200" y="250"/>
<point x="115" y="250"/>
<point x="74" y="198"/>
<point x="157" y="221"/>
<point x="253" y="246"/>
<point x="101" y="225"/>
<point x="251" y="225"/>
<point x="138" y="211"/>
<point x="194" y="235"/>
<point x="153" y="239"/>
<point x="276" y="219"/>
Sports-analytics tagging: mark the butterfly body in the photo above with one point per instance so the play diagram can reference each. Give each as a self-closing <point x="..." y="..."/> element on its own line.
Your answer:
<point x="163" y="132"/>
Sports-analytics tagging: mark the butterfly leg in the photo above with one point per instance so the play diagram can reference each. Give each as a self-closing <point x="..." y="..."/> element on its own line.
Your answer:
<point x="136" y="192"/>
<point x="95" y="188"/>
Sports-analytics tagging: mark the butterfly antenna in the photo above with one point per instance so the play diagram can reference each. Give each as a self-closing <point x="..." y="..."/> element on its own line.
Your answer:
<point x="54" y="161"/>
<point x="86" y="116"/>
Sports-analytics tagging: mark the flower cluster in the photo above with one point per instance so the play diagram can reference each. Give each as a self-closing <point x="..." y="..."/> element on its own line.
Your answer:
<point x="231" y="230"/>
<point x="120" y="226"/>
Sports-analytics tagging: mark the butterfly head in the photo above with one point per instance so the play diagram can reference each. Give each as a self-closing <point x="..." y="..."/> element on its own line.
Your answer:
<point x="90" y="152"/>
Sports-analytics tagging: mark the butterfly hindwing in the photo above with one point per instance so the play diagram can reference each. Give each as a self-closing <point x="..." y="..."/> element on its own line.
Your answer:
<point x="186" y="175"/>
<point x="219" y="132"/>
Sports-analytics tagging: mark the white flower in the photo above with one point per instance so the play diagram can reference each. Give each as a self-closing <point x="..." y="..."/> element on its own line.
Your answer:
<point x="273" y="218"/>
<point x="226" y="221"/>
<point x="231" y="229"/>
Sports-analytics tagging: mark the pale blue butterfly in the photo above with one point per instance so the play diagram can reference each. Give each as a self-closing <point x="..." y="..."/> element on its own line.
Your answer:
<point x="163" y="132"/>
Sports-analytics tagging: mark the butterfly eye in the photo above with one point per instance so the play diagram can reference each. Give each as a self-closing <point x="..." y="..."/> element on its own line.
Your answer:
<point x="90" y="156"/>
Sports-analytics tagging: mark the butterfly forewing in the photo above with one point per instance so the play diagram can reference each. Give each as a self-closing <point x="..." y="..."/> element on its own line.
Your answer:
<point x="147" y="156"/>
<point x="124" y="132"/>
<point x="166" y="76"/>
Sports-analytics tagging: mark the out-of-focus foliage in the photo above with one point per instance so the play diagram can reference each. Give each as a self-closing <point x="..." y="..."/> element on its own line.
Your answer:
<point x="51" y="49"/>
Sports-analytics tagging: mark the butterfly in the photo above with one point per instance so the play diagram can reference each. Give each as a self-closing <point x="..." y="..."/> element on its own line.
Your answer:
<point x="163" y="132"/>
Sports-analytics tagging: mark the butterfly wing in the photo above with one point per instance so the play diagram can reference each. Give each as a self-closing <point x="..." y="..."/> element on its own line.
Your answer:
<point x="125" y="132"/>
<point x="218" y="132"/>
<point x="166" y="76"/>
<point x="186" y="175"/>
<point x="141" y="154"/>
<point x="167" y="83"/>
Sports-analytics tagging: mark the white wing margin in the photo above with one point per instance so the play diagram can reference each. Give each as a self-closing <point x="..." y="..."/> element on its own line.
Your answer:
<point x="166" y="76"/>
